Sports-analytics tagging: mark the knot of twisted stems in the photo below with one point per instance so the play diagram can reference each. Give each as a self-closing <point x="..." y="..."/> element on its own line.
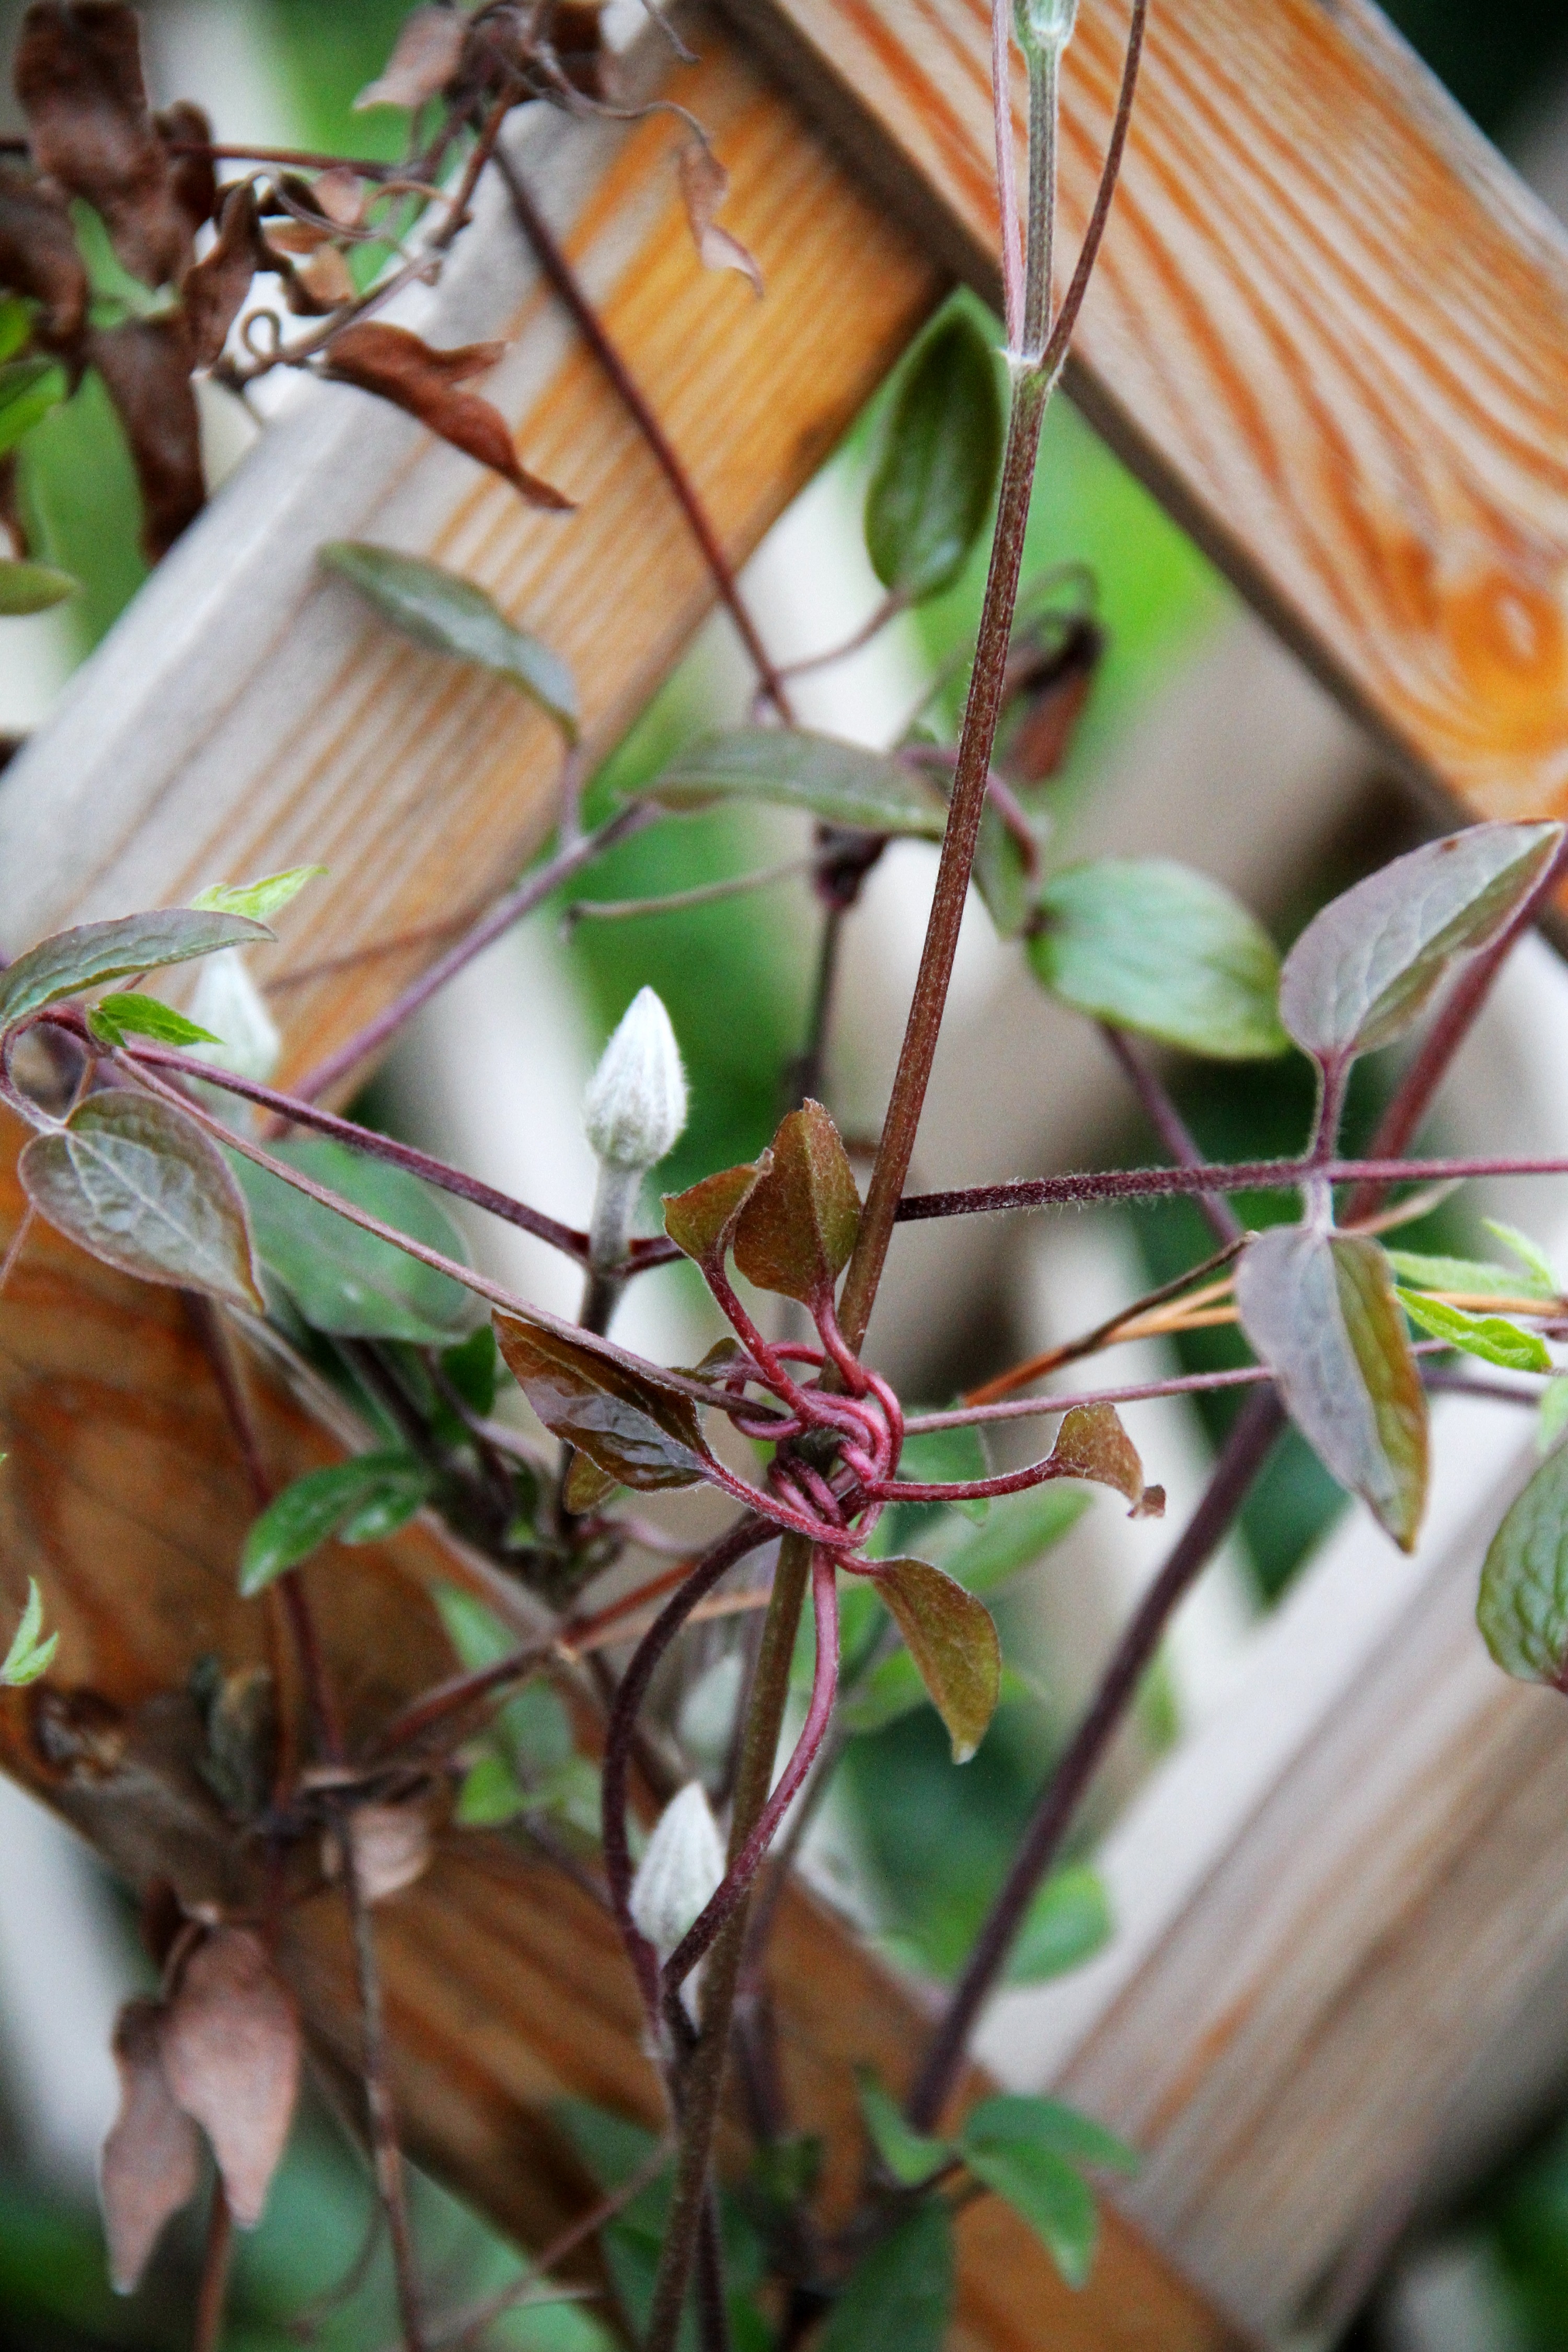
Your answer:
<point x="835" y="1444"/>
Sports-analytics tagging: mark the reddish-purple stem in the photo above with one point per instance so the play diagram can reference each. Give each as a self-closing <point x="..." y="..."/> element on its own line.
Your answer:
<point x="1173" y="1132"/>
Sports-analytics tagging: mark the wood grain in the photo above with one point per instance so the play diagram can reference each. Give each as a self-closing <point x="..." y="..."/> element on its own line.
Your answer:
<point x="1329" y="326"/>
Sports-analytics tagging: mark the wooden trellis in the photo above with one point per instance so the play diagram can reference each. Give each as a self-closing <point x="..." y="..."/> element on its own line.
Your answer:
<point x="1332" y="331"/>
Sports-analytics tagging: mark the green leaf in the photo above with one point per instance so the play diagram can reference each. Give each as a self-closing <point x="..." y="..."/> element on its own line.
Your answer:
<point x="637" y="1431"/>
<point x="1027" y="2151"/>
<point x="452" y="615"/>
<point x="1529" y="1254"/>
<point x="899" y="2296"/>
<point x="1066" y="1924"/>
<point x="29" y="389"/>
<point x="954" y="1643"/>
<point x="1020" y="1530"/>
<point x="1523" y="1607"/>
<point x="29" y="1656"/>
<point x="1367" y="966"/>
<point x="32" y="587"/>
<point x="891" y="1689"/>
<point x="1153" y="946"/>
<point x="936" y="471"/>
<point x="258" y="900"/>
<point x="948" y="1457"/>
<point x="1470" y="1277"/>
<point x="114" y="1018"/>
<point x="137" y="1183"/>
<point x="1010" y="2119"/>
<point x="342" y="1279"/>
<point x="909" y="2155"/>
<point x="1093" y="1444"/>
<point x="797" y="1224"/>
<point x="1492" y="1337"/>
<point x="701" y="1221"/>
<point x="1553" y="1419"/>
<point x="492" y="1794"/>
<point x="1321" y="1311"/>
<point x="837" y="782"/>
<point x="16" y="324"/>
<point x="91" y="953"/>
<point x="471" y="1367"/>
<point x="356" y="1502"/>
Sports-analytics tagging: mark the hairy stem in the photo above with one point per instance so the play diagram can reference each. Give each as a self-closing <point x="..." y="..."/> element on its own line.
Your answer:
<point x="1238" y="1462"/>
<point x="1173" y="1132"/>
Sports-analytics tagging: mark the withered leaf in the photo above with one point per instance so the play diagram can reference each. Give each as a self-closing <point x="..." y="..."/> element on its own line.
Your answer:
<point x="393" y="1848"/>
<point x="39" y="257"/>
<point x="146" y="364"/>
<point x="704" y="184"/>
<point x="193" y="178"/>
<point x="78" y="77"/>
<point x="1093" y="1444"/>
<point x="152" y="2156"/>
<point x="398" y="367"/>
<point x="327" y="279"/>
<point x="638" y="1432"/>
<point x="340" y="194"/>
<point x="428" y="51"/>
<point x="953" y="1641"/>
<point x="702" y="1220"/>
<point x="215" y="290"/>
<point x="231" y="2047"/>
<point x="1049" y="686"/>
<point x="797" y="1226"/>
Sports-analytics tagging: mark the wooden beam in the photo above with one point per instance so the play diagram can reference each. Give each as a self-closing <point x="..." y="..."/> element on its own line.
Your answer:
<point x="1330" y="327"/>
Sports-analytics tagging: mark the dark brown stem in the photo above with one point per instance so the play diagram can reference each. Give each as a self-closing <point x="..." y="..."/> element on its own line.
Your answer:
<point x="807" y="1075"/>
<point x="207" y="2336"/>
<point x="1238" y="1462"/>
<point x="1173" y="1132"/>
<point x="379" y="2115"/>
<point x="559" y="271"/>
<point x="712" y="2311"/>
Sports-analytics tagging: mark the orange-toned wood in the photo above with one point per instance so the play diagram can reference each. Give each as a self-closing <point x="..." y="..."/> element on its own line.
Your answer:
<point x="1329" y="325"/>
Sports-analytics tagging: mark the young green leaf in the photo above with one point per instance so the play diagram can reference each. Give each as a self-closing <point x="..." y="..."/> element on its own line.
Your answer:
<point x="1553" y="1416"/>
<point x="1093" y="1444"/>
<point x="29" y="1656"/>
<point x="1153" y="946"/>
<point x="899" y="2296"/>
<point x="138" y="1184"/>
<point x="837" y="782"/>
<point x="1523" y="1607"/>
<point x="936" y="471"/>
<point x="258" y="900"/>
<point x="1021" y="1529"/>
<point x="1066" y="1924"/>
<point x="452" y="615"/>
<point x="1367" y="966"/>
<point x="32" y="587"/>
<point x="797" y="1224"/>
<point x="342" y="1279"/>
<point x="29" y="389"/>
<point x="1531" y="1255"/>
<point x="1028" y="2151"/>
<point x="491" y="1795"/>
<point x="1470" y="1277"/>
<point x="1490" y="1337"/>
<point x="114" y="1018"/>
<point x="1322" y="1312"/>
<point x="471" y="1367"/>
<point x="91" y="953"/>
<point x="948" y="1457"/>
<point x="911" y="2157"/>
<point x="639" y="1432"/>
<point x="952" y="1640"/>
<point x="358" y="1501"/>
<point x="701" y="1221"/>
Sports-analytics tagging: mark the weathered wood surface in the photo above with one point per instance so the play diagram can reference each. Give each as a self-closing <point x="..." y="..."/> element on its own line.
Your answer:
<point x="1329" y="325"/>
<point x="506" y="1987"/>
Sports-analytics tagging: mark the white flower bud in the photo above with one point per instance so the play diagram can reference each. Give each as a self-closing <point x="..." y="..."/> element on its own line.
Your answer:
<point x="680" y="1871"/>
<point x="1044" y="24"/>
<point x="229" y="1003"/>
<point x="635" y="1109"/>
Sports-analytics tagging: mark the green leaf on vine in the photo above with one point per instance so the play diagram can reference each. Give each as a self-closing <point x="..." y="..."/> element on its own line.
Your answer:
<point x="1020" y="1530"/>
<point x="1066" y="1924"/>
<point x="797" y="1224"/>
<point x="839" y="783"/>
<point x="452" y="615"/>
<point x="909" y="2155"/>
<point x="948" y="1457"/>
<point x="935" y="474"/>
<point x="1093" y="1444"/>
<point x="1523" y="1607"/>
<point x="260" y="901"/>
<point x="702" y="1220"/>
<point x="1150" y="945"/>
<point x="1553" y="1416"/>
<point x="138" y="1184"/>
<point x="1321" y="1310"/>
<point x="1029" y="2151"/>
<point x="1368" y="965"/>
<point x="1492" y="1338"/>
<point x="953" y="1641"/>
<point x="637" y="1431"/>
<point x="356" y="1502"/>
<point x="91" y="953"/>
<point x="1472" y="1278"/>
<point x="899" y="2296"/>
<point x="32" y="587"/>
<point x="29" y="1656"/>
<point x="114" y="1018"/>
<point x="1531" y="1255"/>
<point x="29" y="389"/>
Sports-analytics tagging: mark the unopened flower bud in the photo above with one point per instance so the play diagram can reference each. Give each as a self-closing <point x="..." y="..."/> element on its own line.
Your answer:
<point x="635" y="1109"/>
<point x="680" y="1871"/>
<point x="229" y="1003"/>
<point x="1044" y="24"/>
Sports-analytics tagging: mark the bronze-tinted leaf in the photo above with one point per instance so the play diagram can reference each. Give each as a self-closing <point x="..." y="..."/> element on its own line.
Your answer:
<point x="1050" y="679"/>
<point x="396" y="366"/>
<point x="704" y="184"/>
<point x="702" y="1220"/>
<point x="952" y="1638"/>
<point x="428" y="51"/>
<point x="340" y="194"/>
<point x="193" y="178"/>
<point x="39" y="258"/>
<point x="584" y="1487"/>
<point x="215" y="289"/>
<point x="78" y="77"/>
<point x="152" y="2157"/>
<point x="638" y="1432"/>
<point x="1093" y="1444"/>
<point x="797" y="1227"/>
<point x="146" y="364"/>
<point x="231" y="2048"/>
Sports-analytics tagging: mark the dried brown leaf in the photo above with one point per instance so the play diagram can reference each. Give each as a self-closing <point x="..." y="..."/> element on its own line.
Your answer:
<point x="151" y="2158"/>
<point x="192" y="178"/>
<point x="428" y="52"/>
<point x="327" y="278"/>
<point x="704" y="184"/>
<point x="79" y="78"/>
<point x="398" y="367"/>
<point x="340" y="194"/>
<point x="39" y="257"/>
<point x="231" y="2049"/>
<point x="146" y="364"/>
<point x="215" y="288"/>
<point x="577" y="36"/>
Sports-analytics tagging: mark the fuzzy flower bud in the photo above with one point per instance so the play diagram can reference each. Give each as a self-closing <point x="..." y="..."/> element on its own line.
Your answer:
<point x="635" y="1109"/>
<point x="229" y="1003"/>
<point x="680" y="1871"/>
<point x="1044" y="24"/>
